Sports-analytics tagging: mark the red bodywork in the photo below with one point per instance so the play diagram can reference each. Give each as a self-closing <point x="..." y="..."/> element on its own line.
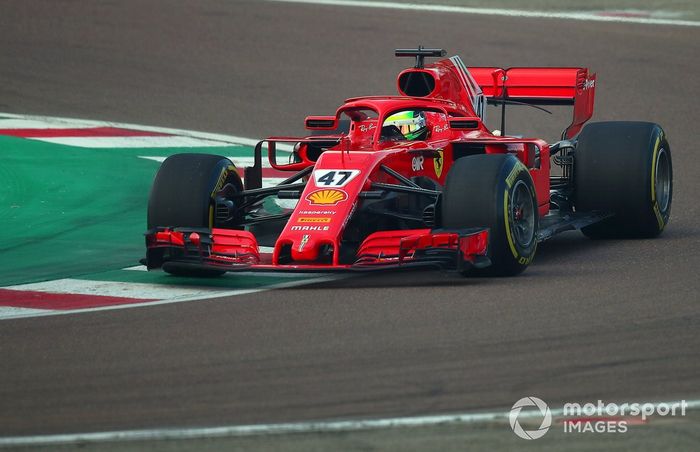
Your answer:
<point x="454" y="110"/>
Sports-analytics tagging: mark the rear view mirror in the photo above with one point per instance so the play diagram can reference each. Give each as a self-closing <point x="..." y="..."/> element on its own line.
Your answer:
<point x="321" y="123"/>
<point x="464" y="123"/>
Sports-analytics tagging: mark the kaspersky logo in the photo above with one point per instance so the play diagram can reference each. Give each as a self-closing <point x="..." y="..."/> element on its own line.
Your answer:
<point x="544" y="413"/>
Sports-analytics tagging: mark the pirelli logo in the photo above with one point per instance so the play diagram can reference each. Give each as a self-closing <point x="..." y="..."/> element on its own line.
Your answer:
<point x="514" y="173"/>
<point x="313" y="220"/>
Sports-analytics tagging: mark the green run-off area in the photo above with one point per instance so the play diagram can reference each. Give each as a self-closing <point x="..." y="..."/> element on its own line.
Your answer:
<point x="69" y="211"/>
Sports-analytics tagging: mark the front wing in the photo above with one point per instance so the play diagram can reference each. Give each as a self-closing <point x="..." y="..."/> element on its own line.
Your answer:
<point x="237" y="250"/>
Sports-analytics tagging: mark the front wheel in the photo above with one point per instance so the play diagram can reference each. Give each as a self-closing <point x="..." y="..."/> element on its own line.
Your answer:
<point x="497" y="192"/>
<point x="183" y="195"/>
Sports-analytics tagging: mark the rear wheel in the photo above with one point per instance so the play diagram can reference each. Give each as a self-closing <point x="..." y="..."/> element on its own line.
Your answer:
<point x="497" y="192"/>
<point x="624" y="168"/>
<point x="183" y="195"/>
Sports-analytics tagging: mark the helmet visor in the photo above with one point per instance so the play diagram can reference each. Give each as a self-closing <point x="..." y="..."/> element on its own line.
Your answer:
<point x="410" y="123"/>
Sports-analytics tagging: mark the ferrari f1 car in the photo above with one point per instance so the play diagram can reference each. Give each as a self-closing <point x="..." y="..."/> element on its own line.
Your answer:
<point x="416" y="179"/>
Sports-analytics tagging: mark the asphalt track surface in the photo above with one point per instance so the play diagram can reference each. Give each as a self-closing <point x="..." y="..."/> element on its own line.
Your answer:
<point x="589" y="320"/>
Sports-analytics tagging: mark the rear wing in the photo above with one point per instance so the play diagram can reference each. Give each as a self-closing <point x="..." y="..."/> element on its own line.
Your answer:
<point x="540" y="86"/>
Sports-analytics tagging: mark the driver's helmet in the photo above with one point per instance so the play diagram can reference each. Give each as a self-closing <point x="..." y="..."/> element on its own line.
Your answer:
<point x="412" y="124"/>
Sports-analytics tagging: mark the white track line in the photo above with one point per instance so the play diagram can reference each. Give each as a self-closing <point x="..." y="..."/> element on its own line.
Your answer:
<point x="225" y="140"/>
<point x="205" y="296"/>
<point x="16" y="123"/>
<point x="585" y="16"/>
<point x="173" y="141"/>
<point x="280" y="429"/>
<point x="13" y="312"/>
<point x="143" y="291"/>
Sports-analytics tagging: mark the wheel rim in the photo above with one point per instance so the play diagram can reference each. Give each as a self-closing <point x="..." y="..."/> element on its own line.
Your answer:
<point x="662" y="180"/>
<point x="522" y="214"/>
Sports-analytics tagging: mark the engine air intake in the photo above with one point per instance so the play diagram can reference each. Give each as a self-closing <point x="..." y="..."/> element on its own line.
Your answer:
<point x="416" y="83"/>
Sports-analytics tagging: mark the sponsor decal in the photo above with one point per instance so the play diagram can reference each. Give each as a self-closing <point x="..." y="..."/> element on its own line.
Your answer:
<point x="222" y="178"/>
<point x="313" y="220"/>
<point x="438" y="163"/>
<point x="304" y="241"/>
<point x="310" y="228"/>
<point x="326" y="197"/>
<point x="589" y="84"/>
<point x="417" y="163"/>
<point x="514" y="173"/>
<point x="316" y="212"/>
<point x="349" y="215"/>
<point x="438" y="129"/>
<point x="364" y="128"/>
<point x="334" y="177"/>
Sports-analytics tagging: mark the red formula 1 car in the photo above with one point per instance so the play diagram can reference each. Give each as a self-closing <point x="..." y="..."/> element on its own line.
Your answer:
<point x="416" y="179"/>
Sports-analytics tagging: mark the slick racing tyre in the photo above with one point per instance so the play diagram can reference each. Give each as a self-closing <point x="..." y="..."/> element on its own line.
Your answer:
<point x="496" y="192"/>
<point x="624" y="168"/>
<point x="183" y="195"/>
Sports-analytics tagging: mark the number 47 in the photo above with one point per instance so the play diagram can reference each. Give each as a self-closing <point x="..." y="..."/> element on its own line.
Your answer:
<point x="328" y="179"/>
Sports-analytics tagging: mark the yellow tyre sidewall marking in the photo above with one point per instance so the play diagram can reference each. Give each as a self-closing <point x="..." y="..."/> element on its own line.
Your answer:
<point x="514" y="174"/>
<point x="522" y="260"/>
<point x="654" y="202"/>
<point x="507" y="226"/>
<point x="509" y="182"/>
<point x="219" y="185"/>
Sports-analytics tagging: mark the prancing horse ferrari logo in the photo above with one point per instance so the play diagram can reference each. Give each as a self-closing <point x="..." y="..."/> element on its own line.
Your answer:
<point x="438" y="163"/>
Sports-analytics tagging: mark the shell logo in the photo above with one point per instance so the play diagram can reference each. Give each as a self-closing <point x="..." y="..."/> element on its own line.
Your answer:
<point x="326" y="197"/>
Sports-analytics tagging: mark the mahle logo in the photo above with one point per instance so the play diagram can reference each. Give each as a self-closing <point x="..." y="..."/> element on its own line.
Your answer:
<point x="515" y="414"/>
